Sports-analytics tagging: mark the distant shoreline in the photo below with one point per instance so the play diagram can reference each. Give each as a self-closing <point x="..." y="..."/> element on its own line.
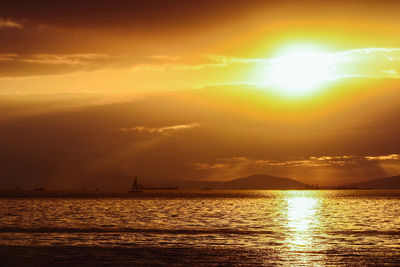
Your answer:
<point x="154" y="193"/>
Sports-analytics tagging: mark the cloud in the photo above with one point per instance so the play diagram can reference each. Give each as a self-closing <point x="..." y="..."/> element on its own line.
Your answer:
<point x="7" y="23"/>
<point x="14" y="65"/>
<point x="384" y="157"/>
<point x="55" y="59"/>
<point x="72" y="59"/>
<point x="367" y="51"/>
<point x="391" y="72"/>
<point x="8" y="57"/>
<point x="209" y="62"/>
<point x="322" y="169"/>
<point x="309" y="162"/>
<point x="160" y="130"/>
<point x="374" y="63"/>
<point x="166" y="57"/>
<point x="221" y="70"/>
<point x="206" y="166"/>
<point x="365" y="63"/>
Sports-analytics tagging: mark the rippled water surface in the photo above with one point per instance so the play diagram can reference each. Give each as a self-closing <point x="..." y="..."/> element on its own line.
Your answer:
<point x="299" y="221"/>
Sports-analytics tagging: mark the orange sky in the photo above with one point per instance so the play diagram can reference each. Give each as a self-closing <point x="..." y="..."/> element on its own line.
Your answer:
<point x="93" y="92"/>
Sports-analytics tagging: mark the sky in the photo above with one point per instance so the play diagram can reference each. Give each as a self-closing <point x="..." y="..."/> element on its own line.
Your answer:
<point x="95" y="92"/>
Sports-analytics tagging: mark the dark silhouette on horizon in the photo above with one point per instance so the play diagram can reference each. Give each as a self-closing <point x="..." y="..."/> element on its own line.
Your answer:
<point x="252" y="182"/>
<point x="136" y="187"/>
<point x="392" y="182"/>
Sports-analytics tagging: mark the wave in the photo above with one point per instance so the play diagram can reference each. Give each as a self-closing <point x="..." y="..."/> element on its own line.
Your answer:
<point x="55" y="230"/>
<point x="50" y="230"/>
<point x="366" y="232"/>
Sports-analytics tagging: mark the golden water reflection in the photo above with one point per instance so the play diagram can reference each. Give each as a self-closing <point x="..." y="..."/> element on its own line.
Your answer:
<point x="302" y="218"/>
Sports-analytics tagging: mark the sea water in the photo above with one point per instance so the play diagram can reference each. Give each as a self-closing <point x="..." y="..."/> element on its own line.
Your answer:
<point x="297" y="227"/>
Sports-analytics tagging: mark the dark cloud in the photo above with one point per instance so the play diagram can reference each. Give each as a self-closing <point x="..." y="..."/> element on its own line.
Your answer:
<point x="152" y="14"/>
<point x="121" y="26"/>
<point x="158" y="14"/>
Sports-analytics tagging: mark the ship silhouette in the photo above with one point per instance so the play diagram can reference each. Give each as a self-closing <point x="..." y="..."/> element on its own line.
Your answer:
<point x="136" y="188"/>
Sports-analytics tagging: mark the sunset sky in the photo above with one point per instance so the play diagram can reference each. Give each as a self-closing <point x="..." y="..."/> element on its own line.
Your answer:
<point x="93" y="92"/>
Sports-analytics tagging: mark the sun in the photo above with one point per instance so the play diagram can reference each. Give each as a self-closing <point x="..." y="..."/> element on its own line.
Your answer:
<point x="299" y="72"/>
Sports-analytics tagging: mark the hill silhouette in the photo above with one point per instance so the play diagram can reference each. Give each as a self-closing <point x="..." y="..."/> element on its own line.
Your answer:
<point x="259" y="181"/>
<point x="381" y="183"/>
<point x="262" y="181"/>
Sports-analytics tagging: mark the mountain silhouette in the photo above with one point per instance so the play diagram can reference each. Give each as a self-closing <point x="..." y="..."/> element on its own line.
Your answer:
<point x="381" y="183"/>
<point x="254" y="182"/>
<point x="262" y="181"/>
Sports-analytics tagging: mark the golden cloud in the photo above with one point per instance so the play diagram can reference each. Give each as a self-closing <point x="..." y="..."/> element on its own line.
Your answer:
<point x="313" y="161"/>
<point x="7" y="23"/>
<point x="160" y="130"/>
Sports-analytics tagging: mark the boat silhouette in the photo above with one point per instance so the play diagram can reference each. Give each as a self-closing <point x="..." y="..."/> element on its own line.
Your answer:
<point x="136" y="188"/>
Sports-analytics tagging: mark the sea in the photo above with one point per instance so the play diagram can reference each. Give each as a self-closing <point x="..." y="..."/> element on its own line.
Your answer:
<point x="205" y="227"/>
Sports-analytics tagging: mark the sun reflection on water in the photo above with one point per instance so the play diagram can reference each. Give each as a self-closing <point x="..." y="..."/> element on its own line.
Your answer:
<point x="302" y="218"/>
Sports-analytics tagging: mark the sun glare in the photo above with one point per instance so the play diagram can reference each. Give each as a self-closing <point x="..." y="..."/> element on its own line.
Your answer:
<point x="299" y="72"/>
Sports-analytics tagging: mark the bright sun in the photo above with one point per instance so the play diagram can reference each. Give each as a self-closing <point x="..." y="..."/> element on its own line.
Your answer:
<point x="299" y="72"/>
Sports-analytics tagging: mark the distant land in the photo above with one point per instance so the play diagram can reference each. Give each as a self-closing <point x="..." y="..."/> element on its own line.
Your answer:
<point x="382" y="183"/>
<point x="268" y="182"/>
<point x="253" y="182"/>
